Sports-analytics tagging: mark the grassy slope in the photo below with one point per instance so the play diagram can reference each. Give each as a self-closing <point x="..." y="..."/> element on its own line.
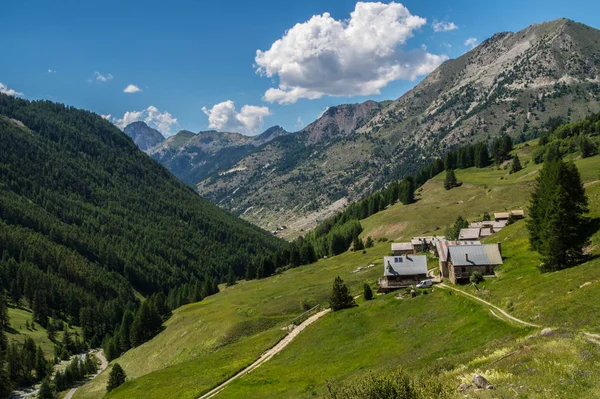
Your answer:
<point x="18" y="332"/>
<point x="192" y="352"/>
<point x="186" y="359"/>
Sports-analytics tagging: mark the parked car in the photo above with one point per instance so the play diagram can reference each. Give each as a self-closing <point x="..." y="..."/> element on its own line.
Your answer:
<point x="425" y="284"/>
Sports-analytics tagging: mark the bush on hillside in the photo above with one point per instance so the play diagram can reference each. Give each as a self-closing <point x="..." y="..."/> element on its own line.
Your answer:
<point x="476" y="277"/>
<point x="367" y="292"/>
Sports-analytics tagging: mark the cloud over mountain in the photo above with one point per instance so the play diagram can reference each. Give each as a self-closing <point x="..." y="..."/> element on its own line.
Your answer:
<point x="359" y="56"/>
<point x="10" y="92"/>
<point x="161" y="121"/>
<point x="224" y="116"/>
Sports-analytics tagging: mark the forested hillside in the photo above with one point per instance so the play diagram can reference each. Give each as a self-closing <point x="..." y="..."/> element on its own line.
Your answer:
<point x="87" y="219"/>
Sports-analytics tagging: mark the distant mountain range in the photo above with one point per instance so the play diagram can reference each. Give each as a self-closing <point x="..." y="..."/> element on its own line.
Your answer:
<point x="512" y="83"/>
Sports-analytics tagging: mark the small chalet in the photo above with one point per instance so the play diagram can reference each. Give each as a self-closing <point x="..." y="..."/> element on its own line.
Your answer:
<point x="402" y="271"/>
<point x="469" y="234"/>
<point x="402" y="248"/>
<point x="429" y="242"/>
<point x="515" y="214"/>
<point x="442" y="252"/>
<point x="497" y="226"/>
<point x="463" y="260"/>
<point x="501" y="216"/>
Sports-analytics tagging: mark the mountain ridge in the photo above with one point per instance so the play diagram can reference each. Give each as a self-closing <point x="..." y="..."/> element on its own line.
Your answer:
<point x="511" y="83"/>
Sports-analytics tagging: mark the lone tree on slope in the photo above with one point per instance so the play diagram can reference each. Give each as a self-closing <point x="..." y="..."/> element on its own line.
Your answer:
<point x="450" y="181"/>
<point x="340" y="296"/>
<point x="116" y="378"/>
<point x="557" y="227"/>
<point x="516" y="165"/>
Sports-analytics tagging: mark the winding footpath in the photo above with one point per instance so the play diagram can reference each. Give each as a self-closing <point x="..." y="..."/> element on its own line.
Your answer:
<point x="267" y="355"/>
<point x="103" y="366"/>
<point x="493" y="307"/>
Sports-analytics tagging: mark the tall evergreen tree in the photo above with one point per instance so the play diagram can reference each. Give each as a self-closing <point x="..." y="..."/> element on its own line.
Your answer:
<point x="516" y="165"/>
<point x="450" y="181"/>
<point x="4" y="319"/>
<point x="116" y="378"/>
<point x="557" y="226"/>
<point x="340" y="295"/>
<point x="46" y="391"/>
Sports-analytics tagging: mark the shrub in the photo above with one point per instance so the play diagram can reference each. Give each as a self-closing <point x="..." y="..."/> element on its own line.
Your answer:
<point x="476" y="277"/>
<point x="367" y="292"/>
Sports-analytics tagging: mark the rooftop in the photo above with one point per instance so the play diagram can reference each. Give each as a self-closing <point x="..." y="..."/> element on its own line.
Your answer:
<point x="405" y="265"/>
<point x="442" y="247"/>
<point x="402" y="246"/>
<point x="475" y="255"/>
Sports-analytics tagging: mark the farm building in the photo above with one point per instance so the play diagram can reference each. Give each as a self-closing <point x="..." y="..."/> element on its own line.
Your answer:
<point x="402" y="271"/>
<point x="402" y="248"/>
<point x="429" y="242"/>
<point x="469" y="234"/>
<point x="501" y="216"/>
<point x="463" y="260"/>
<point x="442" y="251"/>
<point x="515" y="214"/>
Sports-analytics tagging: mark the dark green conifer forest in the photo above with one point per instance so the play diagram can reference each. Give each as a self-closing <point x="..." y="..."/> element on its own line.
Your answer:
<point x="87" y="221"/>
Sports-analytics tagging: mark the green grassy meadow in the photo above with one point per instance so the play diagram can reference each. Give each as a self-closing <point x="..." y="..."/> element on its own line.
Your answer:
<point x="18" y="331"/>
<point x="443" y="335"/>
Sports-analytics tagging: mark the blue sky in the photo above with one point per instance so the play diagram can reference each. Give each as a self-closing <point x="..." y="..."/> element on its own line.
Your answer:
<point x="196" y="61"/>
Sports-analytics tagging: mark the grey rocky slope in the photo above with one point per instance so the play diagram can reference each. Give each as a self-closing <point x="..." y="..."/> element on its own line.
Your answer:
<point x="143" y="135"/>
<point x="194" y="156"/>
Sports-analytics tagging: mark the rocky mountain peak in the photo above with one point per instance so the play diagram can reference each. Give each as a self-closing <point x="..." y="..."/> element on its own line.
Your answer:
<point x="143" y="135"/>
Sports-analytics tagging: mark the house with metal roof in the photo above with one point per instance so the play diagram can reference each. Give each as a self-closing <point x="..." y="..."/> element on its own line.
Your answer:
<point x="442" y="253"/>
<point x="402" y="248"/>
<point x="428" y="242"/>
<point x="501" y="216"/>
<point x="469" y="234"/>
<point x="463" y="260"/>
<point x="402" y="271"/>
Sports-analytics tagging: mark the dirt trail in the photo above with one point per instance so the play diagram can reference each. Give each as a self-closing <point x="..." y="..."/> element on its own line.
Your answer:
<point x="494" y="307"/>
<point x="267" y="355"/>
<point x="103" y="366"/>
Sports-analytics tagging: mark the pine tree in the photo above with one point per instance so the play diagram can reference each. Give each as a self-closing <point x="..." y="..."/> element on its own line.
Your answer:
<point x="516" y="165"/>
<point x="230" y="277"/>
<point x="116" y="377"/>
<point x="340" y="295"/>
<point x="125" y="331"/>
<point x="46" y="391"/>
<point x="450" y="181"/>
<point x="369" y="243"/>
<point x="4" y="319"/>
<point x="557" y="227"/>
<point x="357" y="244"/>
<point x="367" y="292"/>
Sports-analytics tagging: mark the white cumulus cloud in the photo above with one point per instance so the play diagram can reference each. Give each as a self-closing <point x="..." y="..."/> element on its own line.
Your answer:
<point x="103" y="78"/>
<point x="441" y="26"/>
<point x="249" y="120"/>
<point x="51" y="71"/>
<point x="10" y="92"/>
<point x="131" y="89"/>
<point x="358" y="56"/>
<point x="161" y="121"/>
<point x="472" y="42"/>
<point x="107" y="117"/>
